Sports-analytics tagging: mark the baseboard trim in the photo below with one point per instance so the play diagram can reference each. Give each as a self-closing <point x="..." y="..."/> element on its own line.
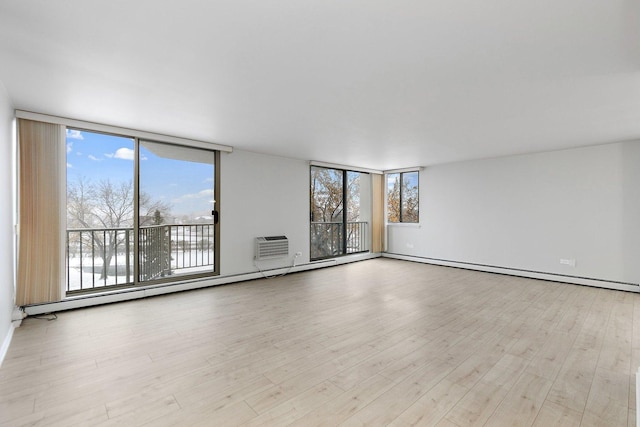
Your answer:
<point x="153" y="290"/>
<point x="553" y="277"/>
<point x="89" y="300"/>
<point x="348" y="259"/>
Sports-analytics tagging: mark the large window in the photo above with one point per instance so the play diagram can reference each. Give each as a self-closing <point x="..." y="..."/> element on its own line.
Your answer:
<point x="340" y="210"/>
<point x="402" y="197"/>
<point x="138" y="211"/>
<point x="100" y="210"/>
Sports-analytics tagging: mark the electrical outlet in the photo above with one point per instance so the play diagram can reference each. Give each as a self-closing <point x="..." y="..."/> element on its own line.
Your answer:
<point x="298" y="254"/>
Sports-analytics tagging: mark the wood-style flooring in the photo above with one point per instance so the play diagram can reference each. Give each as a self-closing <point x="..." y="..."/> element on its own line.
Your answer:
<point x="374" y="343"/>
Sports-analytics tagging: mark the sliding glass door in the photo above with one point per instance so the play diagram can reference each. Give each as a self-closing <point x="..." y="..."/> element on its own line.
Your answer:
<point x="339" y="218"/>
<point x="138" y="212"/>
<point x="177" y="216"/>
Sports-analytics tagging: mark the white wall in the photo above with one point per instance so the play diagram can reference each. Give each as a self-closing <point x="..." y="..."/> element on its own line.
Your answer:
<point x="262" y="195"/>
<point x="6" y="217"/>
<point x="527" y="212"/>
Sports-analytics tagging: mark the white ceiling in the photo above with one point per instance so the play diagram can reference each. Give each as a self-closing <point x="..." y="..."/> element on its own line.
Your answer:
<point x="370" y="83"/>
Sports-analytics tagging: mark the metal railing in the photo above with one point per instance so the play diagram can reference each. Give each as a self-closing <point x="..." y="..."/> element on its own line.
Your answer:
<point x="328" y="239"/>
<point x="103" y="257"/>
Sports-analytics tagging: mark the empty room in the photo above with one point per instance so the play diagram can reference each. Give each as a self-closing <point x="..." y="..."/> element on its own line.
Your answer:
<point x="356" y="213"/>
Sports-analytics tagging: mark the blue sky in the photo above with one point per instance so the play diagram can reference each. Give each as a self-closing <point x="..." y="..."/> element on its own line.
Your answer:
<point x="410" y="178"/>
<point x="187" y="186"/>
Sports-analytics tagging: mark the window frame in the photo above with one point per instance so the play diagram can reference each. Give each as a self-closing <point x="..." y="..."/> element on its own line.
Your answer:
<point x="345" y="212"/>
<point x="401" y="177"/>
<point x="136" y="281"/>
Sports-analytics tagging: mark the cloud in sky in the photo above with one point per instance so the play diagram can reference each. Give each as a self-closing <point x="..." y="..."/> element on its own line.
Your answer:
<point x="74" y="134"/>
<point x="69" y="165"/>
<point x="94" y="158"/>
<point x="124" y="153"/>
<point x="204" y="194"/>
<point x="69" y="147"/>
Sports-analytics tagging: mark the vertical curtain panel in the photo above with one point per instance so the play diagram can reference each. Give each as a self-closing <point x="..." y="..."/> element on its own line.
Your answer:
<point x="42" y="163"/>
<point x="377" y="213"/>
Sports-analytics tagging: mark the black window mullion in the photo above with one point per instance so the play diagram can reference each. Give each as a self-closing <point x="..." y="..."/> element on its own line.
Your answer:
<point x="344" y="212"/>
<point x="400" y="198"/>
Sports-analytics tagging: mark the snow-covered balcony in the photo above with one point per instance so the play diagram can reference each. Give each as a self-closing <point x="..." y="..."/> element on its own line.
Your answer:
<point x="104" y="257"/>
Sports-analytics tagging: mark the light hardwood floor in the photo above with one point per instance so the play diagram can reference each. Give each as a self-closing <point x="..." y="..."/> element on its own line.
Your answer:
<point x="377" y="343"/>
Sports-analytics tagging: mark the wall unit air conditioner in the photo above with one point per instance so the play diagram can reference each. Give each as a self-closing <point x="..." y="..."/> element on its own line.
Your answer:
<point x="271" y="247"/>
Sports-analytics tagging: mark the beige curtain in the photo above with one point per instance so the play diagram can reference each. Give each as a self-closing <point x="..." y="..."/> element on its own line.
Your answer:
<point x="41" y="151"/>
<point x="377" y="214"/>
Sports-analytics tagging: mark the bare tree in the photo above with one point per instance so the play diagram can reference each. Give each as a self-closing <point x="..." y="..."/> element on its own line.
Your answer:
<point x="393" y="201"/>
<point x="402" y="201"/>
<point x="328" y="196"/>
<point x="107" y="208"/>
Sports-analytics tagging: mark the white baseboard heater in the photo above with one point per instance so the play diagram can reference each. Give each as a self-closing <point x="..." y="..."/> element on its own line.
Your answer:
<point x="270" y="247"/>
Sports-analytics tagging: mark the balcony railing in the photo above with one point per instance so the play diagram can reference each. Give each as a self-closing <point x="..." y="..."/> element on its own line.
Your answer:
<point x="100" y="257"/>
<point x="103" y="257"/>
<point x="327" y="239"/>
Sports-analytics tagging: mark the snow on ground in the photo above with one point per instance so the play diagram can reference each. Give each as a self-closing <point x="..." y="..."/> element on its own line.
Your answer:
<point x="85" y="273"/>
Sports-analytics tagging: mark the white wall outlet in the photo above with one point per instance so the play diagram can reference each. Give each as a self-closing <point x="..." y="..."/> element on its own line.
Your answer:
<point x="298" y="254"/>
<point x="566" y="261"/>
